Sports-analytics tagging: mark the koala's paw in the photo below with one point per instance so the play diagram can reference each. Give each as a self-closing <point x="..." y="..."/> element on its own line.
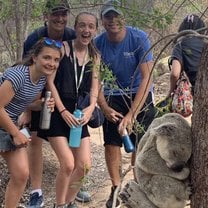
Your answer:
<point x="126" y="194"/>
<point x="133" y="197"/>
<point x="188" y="192"/>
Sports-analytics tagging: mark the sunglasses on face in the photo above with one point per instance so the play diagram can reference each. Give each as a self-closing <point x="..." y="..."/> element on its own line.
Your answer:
<point x="49" y="42"/>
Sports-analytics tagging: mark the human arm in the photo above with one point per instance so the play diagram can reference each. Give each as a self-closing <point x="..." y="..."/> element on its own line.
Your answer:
<point x="140" y="97"/>
<point x="109" y="112"/>
<point x="95" y="86"/>
<point x="6" y="94"/>
<point x="66" y="115"/>
<point x="174" y="75"/>
<point x="36" y="105"/>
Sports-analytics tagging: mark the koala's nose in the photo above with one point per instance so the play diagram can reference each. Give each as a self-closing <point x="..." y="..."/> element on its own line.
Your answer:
<point x="177" y="167"/>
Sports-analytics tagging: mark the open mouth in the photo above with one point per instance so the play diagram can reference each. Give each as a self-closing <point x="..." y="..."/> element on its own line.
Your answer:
<point x="86" y="37"/>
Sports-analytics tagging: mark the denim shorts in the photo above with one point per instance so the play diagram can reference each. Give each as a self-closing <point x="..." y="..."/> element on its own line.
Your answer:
<point x="6" y="141"/>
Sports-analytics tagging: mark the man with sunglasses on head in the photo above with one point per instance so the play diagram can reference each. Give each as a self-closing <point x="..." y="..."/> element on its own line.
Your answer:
<point x="123" y="50"/>
<point x="56" y="14"/>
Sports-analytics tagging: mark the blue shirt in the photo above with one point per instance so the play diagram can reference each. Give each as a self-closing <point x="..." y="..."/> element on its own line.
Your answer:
<point x="123" y="58"/>
<point x="25" y="90"/>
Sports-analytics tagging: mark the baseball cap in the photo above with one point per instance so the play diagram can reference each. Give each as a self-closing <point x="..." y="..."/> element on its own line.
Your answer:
<point x="53" y="6"/>
<point x="112" y="5"/>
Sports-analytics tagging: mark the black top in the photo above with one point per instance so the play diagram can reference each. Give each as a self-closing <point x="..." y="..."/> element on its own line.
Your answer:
<point x="65" y="77"/>
<point x="188" y="53"/>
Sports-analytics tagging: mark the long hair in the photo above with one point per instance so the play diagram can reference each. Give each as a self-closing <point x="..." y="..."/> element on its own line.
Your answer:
<point x="93" y="52"/>
<point x="192" y="22"/>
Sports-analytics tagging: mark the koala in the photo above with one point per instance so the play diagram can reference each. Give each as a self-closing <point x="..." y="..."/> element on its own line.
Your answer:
<point x="161" y="166"/>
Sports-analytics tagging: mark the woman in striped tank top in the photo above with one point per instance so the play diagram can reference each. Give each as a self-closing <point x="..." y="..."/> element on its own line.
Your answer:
<point x="21" y="85"/>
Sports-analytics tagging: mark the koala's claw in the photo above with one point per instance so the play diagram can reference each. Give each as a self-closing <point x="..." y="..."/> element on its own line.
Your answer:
<point x="124" y="194"/>
<point x="188" y="192"/>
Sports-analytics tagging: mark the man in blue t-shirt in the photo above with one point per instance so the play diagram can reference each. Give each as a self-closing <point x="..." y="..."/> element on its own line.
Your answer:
<point x="125" y="51"/>
<point x="56" y="14"/>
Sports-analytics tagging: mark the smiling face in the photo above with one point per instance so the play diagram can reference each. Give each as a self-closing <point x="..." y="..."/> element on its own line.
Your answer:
<point x="47" y="61"/>
<point x="113" y="22"/>
<point x="85" y="27"/>
<point x="57" y="21"/>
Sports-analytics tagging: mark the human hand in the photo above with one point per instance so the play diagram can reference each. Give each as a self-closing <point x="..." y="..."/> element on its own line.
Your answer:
<point x="126" y="123"/>
<point x="87" y="114"/>
<point x="51" y="104"/>
<point x="20" y="140"/>
<point x="24" y="119"/>
<point x="112" y="115"/>
<point x="70" y="119"/>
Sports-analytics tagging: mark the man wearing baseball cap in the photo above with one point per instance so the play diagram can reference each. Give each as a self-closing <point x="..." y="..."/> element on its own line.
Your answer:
<point x="111" y="6"/>
<point x="53" y="6"/>
<point x="123" y="50"/>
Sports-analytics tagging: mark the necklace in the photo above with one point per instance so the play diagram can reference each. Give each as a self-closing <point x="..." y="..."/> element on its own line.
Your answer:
<point x="78" y="82"/>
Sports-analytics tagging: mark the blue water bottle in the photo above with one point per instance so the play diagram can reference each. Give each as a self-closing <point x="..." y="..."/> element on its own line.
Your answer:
<point x="76" y="131"/>
<point x="128" y="146"/>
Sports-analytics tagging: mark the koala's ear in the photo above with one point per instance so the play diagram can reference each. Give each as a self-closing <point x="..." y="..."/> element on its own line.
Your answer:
<point x="166" y="129"/>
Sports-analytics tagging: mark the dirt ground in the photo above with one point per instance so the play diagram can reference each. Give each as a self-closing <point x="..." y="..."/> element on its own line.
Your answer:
<point x="97" y="182"/>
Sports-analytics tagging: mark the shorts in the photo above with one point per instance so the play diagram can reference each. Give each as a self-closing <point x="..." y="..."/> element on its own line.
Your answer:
<point x="6" y="141"/>
<point x="110" y="130"/>
<point x="35" y="119"/>
<point x="58" y="127"/>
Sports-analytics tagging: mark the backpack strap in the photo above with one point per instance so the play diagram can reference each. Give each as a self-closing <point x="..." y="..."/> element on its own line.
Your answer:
<point x="66" y="48"/>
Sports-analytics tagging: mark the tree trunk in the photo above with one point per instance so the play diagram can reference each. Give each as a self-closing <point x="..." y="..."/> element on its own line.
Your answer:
<point x="19" y="28"/>
<point x="199" y="163"/>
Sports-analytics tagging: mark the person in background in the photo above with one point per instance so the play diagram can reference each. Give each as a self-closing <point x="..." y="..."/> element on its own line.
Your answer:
<point x="56" y="14"/>
<point x="187" y="52"/>
<point x="122" y="50"/>
<point x="77" y="76"/>
<point x="20" y="85"/>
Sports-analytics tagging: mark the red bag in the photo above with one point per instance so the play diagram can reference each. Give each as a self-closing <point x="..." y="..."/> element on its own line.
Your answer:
<point x="182" y="99"/>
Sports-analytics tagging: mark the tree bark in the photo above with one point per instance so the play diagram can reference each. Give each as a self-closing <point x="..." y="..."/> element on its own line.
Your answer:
<point x="199" y="163"/>
<point x="19" y="29"/>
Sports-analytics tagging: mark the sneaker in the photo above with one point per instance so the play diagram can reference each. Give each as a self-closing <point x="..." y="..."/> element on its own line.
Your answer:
<point x="83" y="196"/>
<point x="72" y="205"/>
<point x="109" y="203"/>
<point x="36" y="201"/>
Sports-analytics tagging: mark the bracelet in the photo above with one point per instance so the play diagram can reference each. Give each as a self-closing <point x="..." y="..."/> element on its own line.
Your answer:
<point x="94" y="96"/>
<point x="62" y="111"/>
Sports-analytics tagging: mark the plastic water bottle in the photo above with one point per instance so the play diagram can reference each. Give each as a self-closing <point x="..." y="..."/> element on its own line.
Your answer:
<point x="45" y="115"/>
<point x="76" y="131"/>
<point x="26" y="132"/>
<point x="128" y="146"/>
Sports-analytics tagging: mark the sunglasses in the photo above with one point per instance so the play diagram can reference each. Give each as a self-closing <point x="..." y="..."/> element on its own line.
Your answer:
<point x="50" y="42"/>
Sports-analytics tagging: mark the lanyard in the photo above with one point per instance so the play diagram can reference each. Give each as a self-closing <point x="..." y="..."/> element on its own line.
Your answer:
<point x="78" y="82"/>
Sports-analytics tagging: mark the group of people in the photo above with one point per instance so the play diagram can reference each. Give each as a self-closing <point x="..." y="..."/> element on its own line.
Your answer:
<point x="67" y="62"/>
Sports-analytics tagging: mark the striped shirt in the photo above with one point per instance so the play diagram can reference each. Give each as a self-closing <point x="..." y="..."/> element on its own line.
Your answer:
<point x="25" y="90"/>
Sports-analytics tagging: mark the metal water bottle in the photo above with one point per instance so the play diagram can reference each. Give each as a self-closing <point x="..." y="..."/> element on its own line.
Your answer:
<point x="128" y="146"/>
<point x="76" y="131"/>
<point x="45" y="115"/>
